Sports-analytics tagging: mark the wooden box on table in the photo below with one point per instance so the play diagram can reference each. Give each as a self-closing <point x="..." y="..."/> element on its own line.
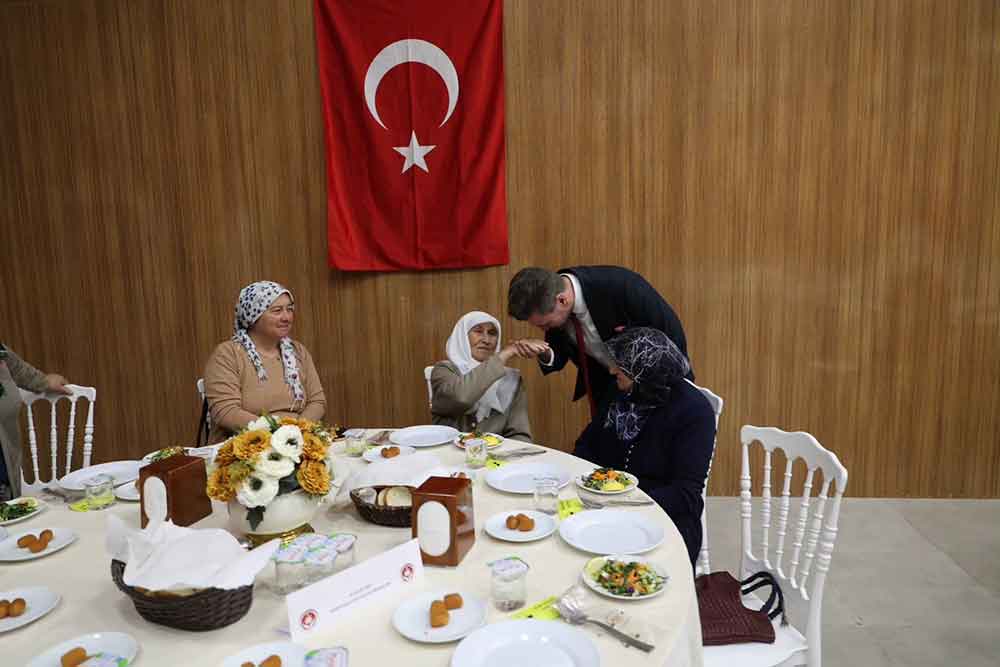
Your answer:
<point x="186" y="479"/>
<point x="443" y="520"/>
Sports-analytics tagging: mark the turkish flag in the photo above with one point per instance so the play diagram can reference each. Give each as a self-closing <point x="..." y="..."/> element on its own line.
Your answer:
<point x="413" y="104"/>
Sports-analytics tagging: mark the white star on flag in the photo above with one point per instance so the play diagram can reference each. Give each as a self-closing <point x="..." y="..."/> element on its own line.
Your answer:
<point x="414" y="153"/>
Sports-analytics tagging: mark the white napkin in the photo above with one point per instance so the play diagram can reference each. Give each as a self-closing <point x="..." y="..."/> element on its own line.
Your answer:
<point x="412" y="470"/>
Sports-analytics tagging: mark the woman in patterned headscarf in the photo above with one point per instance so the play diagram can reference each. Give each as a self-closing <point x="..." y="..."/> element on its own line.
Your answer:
<point x="261" y="369"/>
<point x="658" y="427"/>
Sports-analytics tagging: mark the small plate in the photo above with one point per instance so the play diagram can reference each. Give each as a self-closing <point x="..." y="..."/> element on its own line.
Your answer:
<point x="631" y="487"/>
<point x="127" y="492"/>
<point x="10" y="552"/>
<point x="111" y="643"/>
<point x="609" y="531"/>
<point x="423" y="436"/>
<point x="373" y="454"/>
<point x="461" y="445"/>
<point x="527" y="642"/>
<point x="292" y="655"/>
<point x="412" y="618"/>
<point x="496" y="526"/>
<point x="120" y="471"/>
<point x="594" y="565"/>
<point x="39" y="600"/>
<point x="39" y="508"/>
<point x="520" y="477"/>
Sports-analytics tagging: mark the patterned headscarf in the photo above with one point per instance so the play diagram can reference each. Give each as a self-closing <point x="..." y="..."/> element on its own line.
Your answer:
<point x="501" y="393"/>
<point x="654" y="363"/>
<point x="254" y="301"/>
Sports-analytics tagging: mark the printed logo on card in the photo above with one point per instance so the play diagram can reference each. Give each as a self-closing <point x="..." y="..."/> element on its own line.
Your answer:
<point x="308" y="619"/>
<point x="407" y="572"/>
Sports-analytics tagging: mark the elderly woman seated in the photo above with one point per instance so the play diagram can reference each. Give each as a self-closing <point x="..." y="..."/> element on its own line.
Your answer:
<point x="261" y="369"/>
<point x="474" y="390"/>
<point x="658" y="426"/>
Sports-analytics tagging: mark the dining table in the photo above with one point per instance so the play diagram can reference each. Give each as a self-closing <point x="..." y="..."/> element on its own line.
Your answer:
<point x="90" y="602"/>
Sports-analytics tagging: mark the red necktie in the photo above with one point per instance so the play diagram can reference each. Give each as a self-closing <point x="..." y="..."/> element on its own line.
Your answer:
<point x="581" y="346"/>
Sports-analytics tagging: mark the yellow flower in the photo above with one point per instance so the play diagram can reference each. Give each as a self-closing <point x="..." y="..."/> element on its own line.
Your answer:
<point x="219" y="486"/>
<point x="248" y="446"/>
<point x="303" y="424"/>
<point x="314" y="478"/>
<point x="225" y="454"/>
<point x="313" y="447"/>
<point x="237" y="472"/>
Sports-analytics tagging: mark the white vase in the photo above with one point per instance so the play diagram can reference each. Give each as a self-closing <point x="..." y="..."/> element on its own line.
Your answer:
<point x="286" y="517"/>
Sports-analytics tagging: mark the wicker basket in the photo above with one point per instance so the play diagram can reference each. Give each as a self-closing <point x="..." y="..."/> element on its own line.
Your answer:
<point x="397" y="517"/>
<point x="209" y="609"/>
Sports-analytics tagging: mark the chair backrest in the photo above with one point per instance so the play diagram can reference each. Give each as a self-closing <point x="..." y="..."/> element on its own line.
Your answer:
<point x="703" y="565"/>
<point x="205" y="427"/>
<point x="29" y="398"/>
<point x="815" y="528"/>
<point x="427" y="378"/>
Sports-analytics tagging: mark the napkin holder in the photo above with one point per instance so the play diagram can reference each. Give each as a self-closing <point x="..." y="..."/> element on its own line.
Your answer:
<point x="443" y="520"/>
<point x="185" y="479"/>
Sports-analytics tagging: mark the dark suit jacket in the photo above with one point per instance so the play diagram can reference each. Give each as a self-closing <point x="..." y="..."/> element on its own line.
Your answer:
<point x="615" y="297"/>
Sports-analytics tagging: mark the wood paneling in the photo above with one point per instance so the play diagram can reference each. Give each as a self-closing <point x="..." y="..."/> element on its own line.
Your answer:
<point x="813" y="185"/>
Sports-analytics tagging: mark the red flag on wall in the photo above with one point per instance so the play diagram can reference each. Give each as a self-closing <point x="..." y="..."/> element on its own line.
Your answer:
<point x="413" y="104"/>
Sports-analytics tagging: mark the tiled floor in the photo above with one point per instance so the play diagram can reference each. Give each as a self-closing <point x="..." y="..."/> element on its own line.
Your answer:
<point x="912" y="582"/>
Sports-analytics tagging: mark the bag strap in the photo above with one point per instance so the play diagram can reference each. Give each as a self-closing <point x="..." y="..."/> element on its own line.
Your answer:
<point x="759" y="580"/>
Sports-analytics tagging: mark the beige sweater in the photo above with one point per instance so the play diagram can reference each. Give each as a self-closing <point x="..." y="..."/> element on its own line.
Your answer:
<point x="236" y="397"/>
<point x="14" y="373"/>
<point x="454" y="395"/>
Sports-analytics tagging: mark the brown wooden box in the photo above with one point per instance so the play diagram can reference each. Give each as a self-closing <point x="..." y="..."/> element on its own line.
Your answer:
<point x="443" y="520"/>
<point x="185" y="478"/>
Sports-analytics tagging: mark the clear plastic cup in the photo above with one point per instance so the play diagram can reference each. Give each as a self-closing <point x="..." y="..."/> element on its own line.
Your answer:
<point x="476" y="452"/>
<point x="509" y="584"/>
<point x="99" y="492"/>
<point x="547" y="495"/>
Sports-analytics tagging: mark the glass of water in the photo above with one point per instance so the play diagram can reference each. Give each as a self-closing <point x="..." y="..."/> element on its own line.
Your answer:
<point x="356" y="446"/>
<point x="509" y="585"/>
<point x="99" y="492"/>
<point x="475" y="452"/>
<point x="547" y="495"/>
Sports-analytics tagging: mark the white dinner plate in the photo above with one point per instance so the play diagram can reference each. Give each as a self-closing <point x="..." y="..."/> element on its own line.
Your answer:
<point x="594" y="565"/>
<point x="496" y="526"/>
<point x="527" y="642"/>
<point x="10" y="552"/>
<point x="37" y="502"/>
<point x="292" y="655"/>
<point x="461" y="445"/>
<point x="120" y="471"/>
<point x="423" y="436"/>
<point x="109" y="643"/>
<point x="631" y="487"/>
<point x="373" y="454"/>
<point x="127" y="492"/>
<point x="520" y="477"/>
<point x="412" y="619"/>
<point x="40" y="601"/>
<point x="608" y="531"/>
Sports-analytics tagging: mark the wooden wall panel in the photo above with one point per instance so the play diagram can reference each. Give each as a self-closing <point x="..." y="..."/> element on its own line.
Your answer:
<point x="813" y="185"/>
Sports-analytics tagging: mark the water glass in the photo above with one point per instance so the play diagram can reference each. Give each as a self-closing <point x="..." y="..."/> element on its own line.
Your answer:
<point x="476" y="452"/>
<point x="547" y="495"/>
<point x="356" y="446"/>
<point x="99" y="492"/>
<point x="509" y="585"/>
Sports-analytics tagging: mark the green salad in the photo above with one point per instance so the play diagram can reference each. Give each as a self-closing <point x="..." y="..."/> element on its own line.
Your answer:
<point x="627" y="578"/>
<point x="11" y="511"/>
<point x="606" y="479"/>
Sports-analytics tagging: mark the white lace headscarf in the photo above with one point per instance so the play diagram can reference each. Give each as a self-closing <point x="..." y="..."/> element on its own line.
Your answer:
<point x="254" y="301"/>
<point x="501" y="393"/>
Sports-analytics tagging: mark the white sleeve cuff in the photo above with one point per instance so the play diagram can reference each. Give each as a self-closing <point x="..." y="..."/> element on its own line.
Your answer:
<point x="552" y="358"/>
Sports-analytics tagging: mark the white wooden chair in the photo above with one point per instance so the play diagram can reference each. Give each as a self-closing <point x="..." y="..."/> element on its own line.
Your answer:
<point x="702" y="565"/>
<point x="200" y="384"/>
<point x="430" y="392"/>
<point x="813" y="537"/>
<point x="29" y="398"/>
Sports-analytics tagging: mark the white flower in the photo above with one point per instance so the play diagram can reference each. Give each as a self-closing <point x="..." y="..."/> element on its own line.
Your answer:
<point x="287" y="441"/>
<point x="257" y="490"/>
<point x="259" y="424"/>
<point x="270" y="462"/>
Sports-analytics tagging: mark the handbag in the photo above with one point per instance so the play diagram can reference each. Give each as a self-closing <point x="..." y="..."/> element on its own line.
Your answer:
<point x="724" y="618"/>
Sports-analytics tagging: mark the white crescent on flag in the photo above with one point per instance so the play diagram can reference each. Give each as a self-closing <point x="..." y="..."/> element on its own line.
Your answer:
<point x="411" y="51"/>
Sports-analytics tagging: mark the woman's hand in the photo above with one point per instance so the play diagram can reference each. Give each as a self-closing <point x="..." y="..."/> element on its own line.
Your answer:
<point x="508" y="353"/>
<point x="56" y="384"/>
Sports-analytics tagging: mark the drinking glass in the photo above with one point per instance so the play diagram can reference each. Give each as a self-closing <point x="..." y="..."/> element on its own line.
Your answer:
<point x="356" y="446"/>
<point x="99" y="492"/>
<point x="547" y="495"/>
<point x="509" y="583"/>
<point x="475" y="452"/>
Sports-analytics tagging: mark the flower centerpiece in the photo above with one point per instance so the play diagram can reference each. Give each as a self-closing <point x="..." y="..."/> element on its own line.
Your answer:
<point x="278" y="470"/>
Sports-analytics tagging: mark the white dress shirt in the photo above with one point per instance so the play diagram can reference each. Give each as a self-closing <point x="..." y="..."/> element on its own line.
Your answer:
<point x="595" y="346"/>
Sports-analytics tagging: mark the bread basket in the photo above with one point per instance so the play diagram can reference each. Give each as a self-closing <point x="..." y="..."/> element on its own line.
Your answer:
<point x="397" y="517"/>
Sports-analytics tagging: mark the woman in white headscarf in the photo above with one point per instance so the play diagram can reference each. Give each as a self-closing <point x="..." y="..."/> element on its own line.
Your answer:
<point x="261" y="369"/>
<point x="474" y="390"/>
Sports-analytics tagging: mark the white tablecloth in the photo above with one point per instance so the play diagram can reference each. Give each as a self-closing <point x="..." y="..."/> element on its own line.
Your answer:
<point x="92" y="603"/>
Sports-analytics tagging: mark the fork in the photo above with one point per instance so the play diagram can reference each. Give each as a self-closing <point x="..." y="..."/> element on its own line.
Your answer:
<point x="570" y="609"/>
<point x="517" y="453"/>
<point x="594" y="505"/>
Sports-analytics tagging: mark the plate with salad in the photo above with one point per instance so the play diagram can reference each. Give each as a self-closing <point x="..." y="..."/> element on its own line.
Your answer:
<point x="625" y="577"/>
<point x="19" y="509"/>
<point x="607" y="481"/>
<point x="492" y="439"/>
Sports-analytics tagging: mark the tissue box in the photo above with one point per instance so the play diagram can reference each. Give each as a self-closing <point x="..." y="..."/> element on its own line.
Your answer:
<point x="443" y="521"/>
<point x="186" y="479"/>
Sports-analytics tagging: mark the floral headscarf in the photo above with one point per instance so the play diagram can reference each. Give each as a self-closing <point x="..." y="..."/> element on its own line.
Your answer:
<point x="254" y="301"/>
<point x="654" y="363"/>
<point x="501" y="393"/>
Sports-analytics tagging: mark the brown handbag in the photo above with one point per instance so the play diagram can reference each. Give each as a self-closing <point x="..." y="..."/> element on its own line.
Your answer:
<point x="724" y="619"/>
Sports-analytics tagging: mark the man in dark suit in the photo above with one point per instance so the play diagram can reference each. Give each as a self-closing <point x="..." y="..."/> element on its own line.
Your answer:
<point x="581" y="307"/>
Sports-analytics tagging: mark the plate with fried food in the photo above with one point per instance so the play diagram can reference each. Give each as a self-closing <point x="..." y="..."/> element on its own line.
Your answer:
<point x="608" y="481"/>
<point x="271" y="654"/>
<point x="492" y="439"/>
<point x="520" y="525"/>
<point x="438" y="617"/>
<point x="31" y="544"/>
<point x="373" y="454"/>
<point x="115" y="649"/>
<point x="19" y="509"/>
<point x="21" y="606"/>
